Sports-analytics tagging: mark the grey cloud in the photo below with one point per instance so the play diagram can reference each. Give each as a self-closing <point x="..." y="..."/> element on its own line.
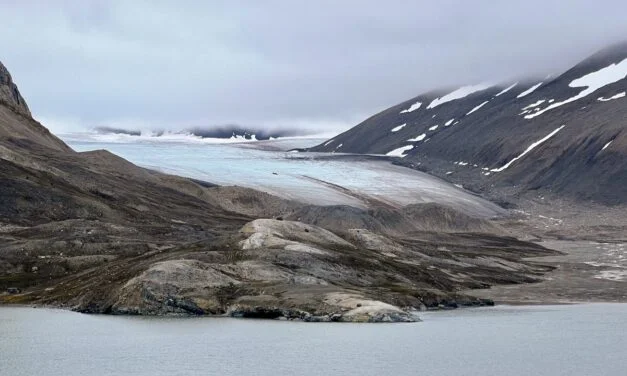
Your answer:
<point x="322" y="64"/>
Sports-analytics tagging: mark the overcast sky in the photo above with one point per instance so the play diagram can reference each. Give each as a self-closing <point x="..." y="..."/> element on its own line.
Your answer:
<point x="324" y="65"/>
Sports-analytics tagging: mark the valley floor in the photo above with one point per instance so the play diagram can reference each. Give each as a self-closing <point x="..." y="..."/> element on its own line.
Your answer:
<point x="587" y="272"/>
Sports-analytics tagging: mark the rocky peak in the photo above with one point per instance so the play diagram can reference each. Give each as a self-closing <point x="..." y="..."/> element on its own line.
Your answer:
<point x="9" y="94"/>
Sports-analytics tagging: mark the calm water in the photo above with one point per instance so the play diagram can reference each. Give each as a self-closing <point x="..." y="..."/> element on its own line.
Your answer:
<point x="551" y="340"/>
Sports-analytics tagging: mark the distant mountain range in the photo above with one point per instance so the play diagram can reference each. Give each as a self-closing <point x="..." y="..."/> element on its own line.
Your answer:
<point x="565" y="135"/>
<point x="219" y="132"/>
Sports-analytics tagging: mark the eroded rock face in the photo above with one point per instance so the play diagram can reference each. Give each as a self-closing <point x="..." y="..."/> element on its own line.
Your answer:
<point x="172" y="287"/>
<point x="359" y="309"/>
<point x="295" y="271"/>
<point x="290" y="235"/>
<point x="10" y="95"/>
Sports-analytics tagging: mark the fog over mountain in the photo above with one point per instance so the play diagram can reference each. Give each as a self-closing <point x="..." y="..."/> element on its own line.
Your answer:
<point x="321" y="66"/>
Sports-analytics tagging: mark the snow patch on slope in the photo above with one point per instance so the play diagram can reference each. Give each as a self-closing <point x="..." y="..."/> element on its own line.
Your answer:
<point x="449" y="122"/>
<point x="398" y="128"/>
<point x="536" y="104"/>
<point x="399" y="152"/>
<point x="476" y="108"/>
<point x="529" y="91"/>
<point x="462" y="92"/>
<point x="413" y="107"/>
<point x="606" y="145"/>
<point x="418" y="138"/>
<point x="530" y="148"/>
<point x="433" y="128"/>
<point x="592" y="82"/>
<point x="619" y="95"/>
<point x="507" y="89"/>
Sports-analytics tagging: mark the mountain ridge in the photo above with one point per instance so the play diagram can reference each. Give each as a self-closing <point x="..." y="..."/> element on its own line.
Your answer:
<point x="479" y="136"/>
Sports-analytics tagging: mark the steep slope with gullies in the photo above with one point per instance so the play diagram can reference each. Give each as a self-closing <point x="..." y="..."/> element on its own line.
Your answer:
<point x="565" y="134"/>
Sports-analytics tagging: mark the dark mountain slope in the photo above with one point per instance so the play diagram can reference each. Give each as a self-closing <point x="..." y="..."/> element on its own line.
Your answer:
<point x="574" y="125"/>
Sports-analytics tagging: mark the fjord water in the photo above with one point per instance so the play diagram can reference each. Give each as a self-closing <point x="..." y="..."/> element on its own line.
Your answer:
<point x="534" y="340"/>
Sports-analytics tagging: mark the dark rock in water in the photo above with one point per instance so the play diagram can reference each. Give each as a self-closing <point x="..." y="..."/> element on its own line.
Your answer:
<point x="259" y="313"/>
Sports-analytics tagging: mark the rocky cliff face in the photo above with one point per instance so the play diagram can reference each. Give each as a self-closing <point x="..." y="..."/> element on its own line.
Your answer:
<point x="17" y="125"/>
<point x="9" y="94"/>
<point x="565" y="134"/>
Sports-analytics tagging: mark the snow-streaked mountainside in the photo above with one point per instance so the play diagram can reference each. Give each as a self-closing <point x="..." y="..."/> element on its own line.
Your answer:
<point x="565" y="134"/>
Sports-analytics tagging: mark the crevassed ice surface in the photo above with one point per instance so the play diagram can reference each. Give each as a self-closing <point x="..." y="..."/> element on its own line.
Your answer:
<point x="297" y="175"/>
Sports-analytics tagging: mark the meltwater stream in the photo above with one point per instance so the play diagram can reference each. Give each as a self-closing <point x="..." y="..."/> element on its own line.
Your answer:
<point x="539" y="340"/>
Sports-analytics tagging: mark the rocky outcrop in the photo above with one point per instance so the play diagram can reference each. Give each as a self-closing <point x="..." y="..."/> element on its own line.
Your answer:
<point x="17" y="127"/>
<point x="280" y="269"/>
<point x="10" y="95"/>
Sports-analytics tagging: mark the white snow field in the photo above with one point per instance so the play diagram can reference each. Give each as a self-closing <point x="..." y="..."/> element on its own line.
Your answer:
<point x="617" y="96"/>
<point x="400" y="152"/>
<point x="308" y="177"/>
<point x="477" y="107"/>
<point x="530" y="148"/>
<point x="507" y="89"/>
<point x="591" y="82"/>
<point x="418" y="138"/>
<point x="462" y="92"/>
<point x="413" y="107"/>
<point x="529" y="91"/>
<point x="535" y="104"/>
<point x="398" y="128"/>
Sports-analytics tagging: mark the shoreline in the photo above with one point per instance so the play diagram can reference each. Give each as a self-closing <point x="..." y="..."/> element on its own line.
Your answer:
<point x="497" y="305"/>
